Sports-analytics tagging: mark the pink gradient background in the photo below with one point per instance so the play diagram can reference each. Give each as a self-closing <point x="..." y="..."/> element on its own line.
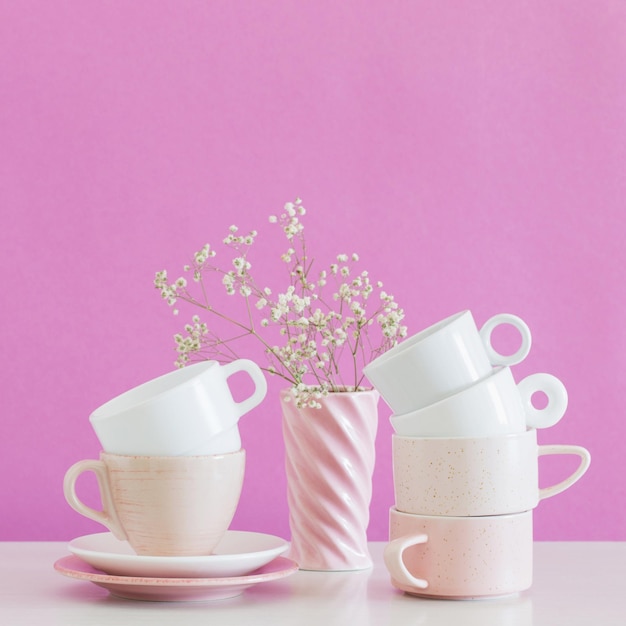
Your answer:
<point x="474" y="154"/>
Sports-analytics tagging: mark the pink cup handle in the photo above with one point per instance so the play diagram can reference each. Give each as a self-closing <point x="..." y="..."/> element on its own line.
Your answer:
<point x="256" y="374"/>
<point x="108" y="516"/>
<point x="495" y="358"/>
<point x="395" y="563"/>
<point x="583" y="466"/>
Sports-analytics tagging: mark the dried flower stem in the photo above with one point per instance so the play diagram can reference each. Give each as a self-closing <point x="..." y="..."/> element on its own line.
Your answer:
<point x="318" y="333"/>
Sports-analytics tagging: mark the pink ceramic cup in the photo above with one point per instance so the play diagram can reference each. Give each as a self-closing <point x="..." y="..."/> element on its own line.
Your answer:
<point x="460" y="557"/>
<point x="467" y="476"/>
<point x="163" y="506"/>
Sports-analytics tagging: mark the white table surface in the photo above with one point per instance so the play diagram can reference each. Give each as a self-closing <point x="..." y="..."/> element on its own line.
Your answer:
<point x="574" y="584"/>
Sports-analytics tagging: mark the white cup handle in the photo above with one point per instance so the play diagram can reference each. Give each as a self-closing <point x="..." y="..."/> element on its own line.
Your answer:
<point x="260" y="384"/>
<point x="583" y="466"/>
<point x="395" y="563"/>
<point x="108" y="515"/>
<point x="495" y="358"/>
<point x="557" y="399"/>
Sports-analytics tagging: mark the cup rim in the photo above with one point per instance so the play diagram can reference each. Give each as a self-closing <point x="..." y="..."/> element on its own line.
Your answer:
<point x="422" y="335"/>
<point x="189" y="375"/>
<point x="481" y="438"/>
<point x="169" y="458"/>
<point x="449" y="518"/>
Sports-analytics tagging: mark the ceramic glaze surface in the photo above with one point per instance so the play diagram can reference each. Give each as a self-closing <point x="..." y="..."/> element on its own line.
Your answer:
<point x="460" y="557"/>
<point x="238" y="553"/>
<point x="475" y="476"/>
<point x="494" y="405"/>
<point x="164" y="506"/>
<point x="174" y="589"/>
<point x="441" y="360"/>
<point x="179" y="413"/>
<point x="329" y="456"/>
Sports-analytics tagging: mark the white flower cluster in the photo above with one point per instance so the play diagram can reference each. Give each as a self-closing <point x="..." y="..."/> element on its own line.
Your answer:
<point x="325" y="337"/>
<point x="191" y="342"/>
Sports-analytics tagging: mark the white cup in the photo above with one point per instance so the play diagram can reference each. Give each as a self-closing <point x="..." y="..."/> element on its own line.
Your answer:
<point x="475" y="476"/>
<point x="495" y="405"/>
<point x="190" y="411"/>
<point x="460" y="557"/>
<point x="441" y="360"/>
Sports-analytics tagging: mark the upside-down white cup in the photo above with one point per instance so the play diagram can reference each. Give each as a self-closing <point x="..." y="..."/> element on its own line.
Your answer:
<point x="441" y="360"/>
<point x="460" y="557"/>
<point x="475" y="476"/>
<point x="163" y="506"/>
<point x="190" y="411"/>
<point x="495" y="405"/>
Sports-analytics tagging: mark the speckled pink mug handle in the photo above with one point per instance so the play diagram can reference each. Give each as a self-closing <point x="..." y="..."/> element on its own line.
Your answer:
<point x="395" y="563"/>
<point x="108" y="516"/>
<point x="585" y="460"/>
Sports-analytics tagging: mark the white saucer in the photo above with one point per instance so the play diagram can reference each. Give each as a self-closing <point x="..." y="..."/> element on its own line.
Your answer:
<point x="237" y="554"/>
<point x="174" y="589"/>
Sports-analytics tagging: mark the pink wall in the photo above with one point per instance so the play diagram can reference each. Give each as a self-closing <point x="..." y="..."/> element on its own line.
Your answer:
<point x="472" y="153"/>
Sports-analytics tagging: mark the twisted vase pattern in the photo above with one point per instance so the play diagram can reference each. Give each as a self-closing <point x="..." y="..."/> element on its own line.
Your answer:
<point x="329" y="458"/>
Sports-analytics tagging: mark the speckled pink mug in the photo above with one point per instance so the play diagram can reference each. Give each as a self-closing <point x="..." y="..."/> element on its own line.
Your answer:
<point x="460" y="557"/>
<point x="467" y="476"/>
<point x="163" y="506"/>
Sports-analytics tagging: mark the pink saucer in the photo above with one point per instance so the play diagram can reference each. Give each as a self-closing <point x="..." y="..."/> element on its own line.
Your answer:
<point x="174" y="589"/>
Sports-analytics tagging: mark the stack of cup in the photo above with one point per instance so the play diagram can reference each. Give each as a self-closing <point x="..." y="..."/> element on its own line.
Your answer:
<point x="171" y="471"/>
<point x="465" y="459"/>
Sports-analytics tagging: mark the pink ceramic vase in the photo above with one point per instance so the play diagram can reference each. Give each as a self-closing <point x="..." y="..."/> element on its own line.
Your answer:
<point x="329" y="457"/>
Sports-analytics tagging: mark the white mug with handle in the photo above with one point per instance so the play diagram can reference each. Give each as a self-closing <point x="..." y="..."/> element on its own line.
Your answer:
<point x="442" y="360"/>
<point x="495" y="405"/>
<point x="190" y="411"/>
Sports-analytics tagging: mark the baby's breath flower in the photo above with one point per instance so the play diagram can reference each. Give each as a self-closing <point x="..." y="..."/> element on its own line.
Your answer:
<point x="324" y="335"/>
